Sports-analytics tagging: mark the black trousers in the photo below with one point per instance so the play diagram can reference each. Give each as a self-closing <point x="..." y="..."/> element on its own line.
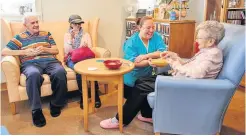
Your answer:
<point x="71" y="64"/>
<point x="137" y="98"/>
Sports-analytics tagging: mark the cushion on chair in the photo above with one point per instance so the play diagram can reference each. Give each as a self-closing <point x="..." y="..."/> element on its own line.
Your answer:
<point x="70" y="76"/>
<point x="151" y="99"/>
<point x="233" y="46"/>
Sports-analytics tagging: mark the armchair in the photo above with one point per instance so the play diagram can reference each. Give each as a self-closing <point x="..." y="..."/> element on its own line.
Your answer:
<point x="197" y="106"/>
<point x="16" y="82"/>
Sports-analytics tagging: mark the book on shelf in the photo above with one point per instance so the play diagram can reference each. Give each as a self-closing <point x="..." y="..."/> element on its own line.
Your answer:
<point x="236" y="15"/>
<point x="131" y="25"/>
<point x="162" y="28"/>
<point x="243" y="14"/>
<point x="165" y="39"/>
<point x="237" y="22"/>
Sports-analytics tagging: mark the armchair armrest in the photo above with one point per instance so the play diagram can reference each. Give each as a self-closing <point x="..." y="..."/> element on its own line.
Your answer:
<point x="101" y="52"/>
<point x="11" y="70"/>
<point x="191" y="85"/>
<point x="190" y="106"/>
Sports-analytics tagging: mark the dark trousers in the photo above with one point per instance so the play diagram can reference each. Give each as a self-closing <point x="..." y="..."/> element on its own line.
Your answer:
<point x="34" y="79"/>
<point x="71" y="64"/>
<point x="137" y="99"/>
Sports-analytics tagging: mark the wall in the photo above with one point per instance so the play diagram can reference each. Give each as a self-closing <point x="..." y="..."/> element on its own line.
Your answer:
<point x="111" y="14"/>
<point x="196" y="11"/>
<point x="2" y="80"/>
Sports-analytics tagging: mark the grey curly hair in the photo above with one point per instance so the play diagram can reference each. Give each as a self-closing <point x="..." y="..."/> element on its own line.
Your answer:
<point x="214" y="29"/>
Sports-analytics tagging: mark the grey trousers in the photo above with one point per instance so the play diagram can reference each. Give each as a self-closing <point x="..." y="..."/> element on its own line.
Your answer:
<point x="34" y="79"/>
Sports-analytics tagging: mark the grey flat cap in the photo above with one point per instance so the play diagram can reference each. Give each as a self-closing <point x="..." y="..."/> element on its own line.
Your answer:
<point x="75" y="19"/>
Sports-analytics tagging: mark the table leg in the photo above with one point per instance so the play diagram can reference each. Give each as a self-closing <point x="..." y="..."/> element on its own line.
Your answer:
<point x="85" y="101"/>
<point x="120" y="102"/>
<point x="93" y="95"/>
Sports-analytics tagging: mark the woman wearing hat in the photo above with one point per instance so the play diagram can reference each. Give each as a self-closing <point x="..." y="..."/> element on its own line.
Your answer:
<point x="73" y="39"/>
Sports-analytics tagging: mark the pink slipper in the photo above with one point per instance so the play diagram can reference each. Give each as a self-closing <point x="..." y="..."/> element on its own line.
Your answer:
<point x="141" y="118"/>
<point x="108" y="124"/>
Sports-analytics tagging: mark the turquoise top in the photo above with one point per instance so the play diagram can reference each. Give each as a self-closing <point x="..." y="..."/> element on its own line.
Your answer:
<point x="134" y="47"/>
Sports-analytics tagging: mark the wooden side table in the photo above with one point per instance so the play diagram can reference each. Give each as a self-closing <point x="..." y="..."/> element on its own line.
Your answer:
<point x="102" y="73"/>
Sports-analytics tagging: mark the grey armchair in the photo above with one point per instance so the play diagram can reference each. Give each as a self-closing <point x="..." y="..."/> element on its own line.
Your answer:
<point x="198" y="106"/>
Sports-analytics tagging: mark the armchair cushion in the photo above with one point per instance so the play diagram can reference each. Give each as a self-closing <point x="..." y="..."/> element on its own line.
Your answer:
<point x="233" y="46"/>
<point x="151" y="99"/>
<point x="101" y="52"/>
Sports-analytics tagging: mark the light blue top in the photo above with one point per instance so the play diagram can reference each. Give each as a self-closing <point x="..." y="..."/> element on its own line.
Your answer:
<point x="134" y="47"/>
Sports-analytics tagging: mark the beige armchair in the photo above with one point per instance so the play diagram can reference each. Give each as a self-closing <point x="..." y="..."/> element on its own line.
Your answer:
<point x="16" y="82"/>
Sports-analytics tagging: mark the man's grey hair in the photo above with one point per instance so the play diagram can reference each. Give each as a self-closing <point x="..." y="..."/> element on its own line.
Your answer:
<point x="28" y="15"/>
<point x="214" y="29"/>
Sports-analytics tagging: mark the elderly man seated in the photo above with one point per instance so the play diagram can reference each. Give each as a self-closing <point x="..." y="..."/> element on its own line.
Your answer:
<point x="36" y="50"/>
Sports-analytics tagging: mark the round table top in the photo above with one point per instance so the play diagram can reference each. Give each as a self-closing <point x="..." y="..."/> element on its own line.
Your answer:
<point x="96" y="67"/>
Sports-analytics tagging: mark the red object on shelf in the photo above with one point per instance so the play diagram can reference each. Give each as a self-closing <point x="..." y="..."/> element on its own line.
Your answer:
<point x="112" y="64"/>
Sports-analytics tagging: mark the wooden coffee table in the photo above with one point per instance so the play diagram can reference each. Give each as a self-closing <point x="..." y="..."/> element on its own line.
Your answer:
<point x="103" y="74"/>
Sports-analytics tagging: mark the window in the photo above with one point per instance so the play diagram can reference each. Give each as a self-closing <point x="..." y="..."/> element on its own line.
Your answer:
<point x="13" y="10"/>
<point x="18" y="7"/>
<point x="145" y="4"/>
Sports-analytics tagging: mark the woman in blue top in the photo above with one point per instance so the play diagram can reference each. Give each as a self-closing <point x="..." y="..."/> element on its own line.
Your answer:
<point x="139" y="48"/>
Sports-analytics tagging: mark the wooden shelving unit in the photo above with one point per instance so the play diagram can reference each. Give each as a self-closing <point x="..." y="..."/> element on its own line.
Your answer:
<point x="224" y="13"/>
<point x="236" y="8"/>
<point x="234" y="15"/>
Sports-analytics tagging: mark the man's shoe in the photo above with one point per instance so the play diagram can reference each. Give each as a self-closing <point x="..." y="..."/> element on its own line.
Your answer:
<point x="55" y="111"/>
<point x="38" y="118"/>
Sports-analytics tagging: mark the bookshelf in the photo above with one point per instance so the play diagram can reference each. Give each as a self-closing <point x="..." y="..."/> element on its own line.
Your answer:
<point x="131" y="28"/>
<point x="178" y="35"/>
<point x="235" y="16"/>
<point x="229" y="11"/>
